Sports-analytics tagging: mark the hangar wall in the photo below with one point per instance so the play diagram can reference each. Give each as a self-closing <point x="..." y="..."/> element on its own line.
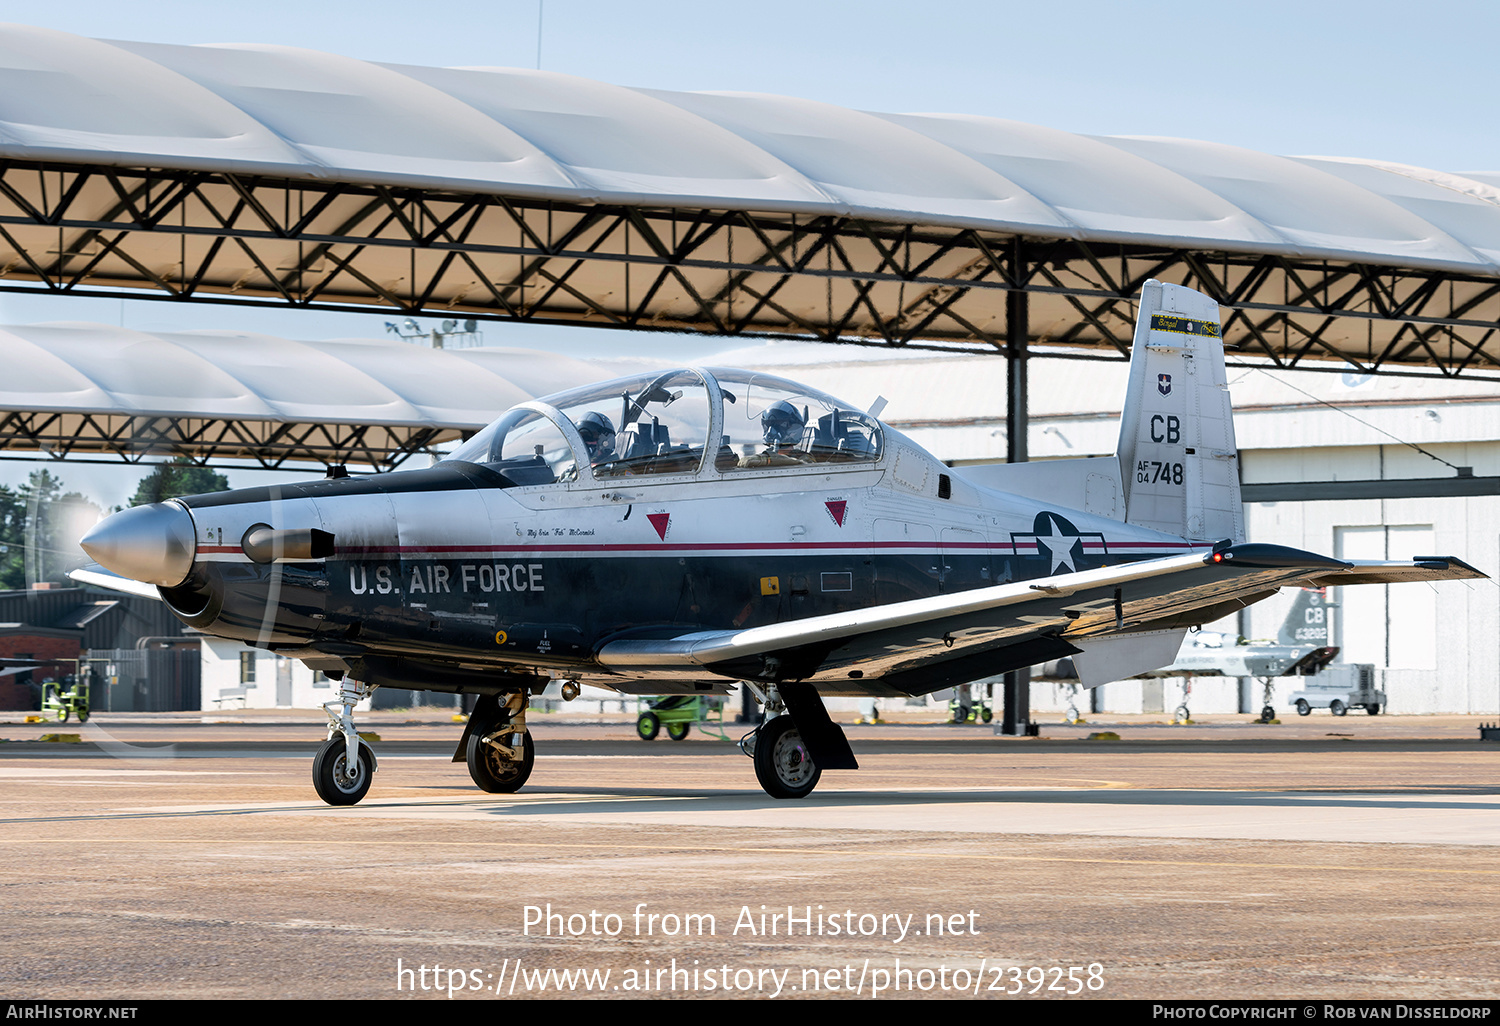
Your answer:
<point x="1435" y="646"/>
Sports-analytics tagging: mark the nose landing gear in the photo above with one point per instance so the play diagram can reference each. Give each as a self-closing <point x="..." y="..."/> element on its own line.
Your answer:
<point x="345" y="765"/>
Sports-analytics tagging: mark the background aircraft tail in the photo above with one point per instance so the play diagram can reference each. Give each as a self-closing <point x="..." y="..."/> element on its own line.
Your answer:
<point x="1307" y="621"/>
<point x="1179" y="466"/>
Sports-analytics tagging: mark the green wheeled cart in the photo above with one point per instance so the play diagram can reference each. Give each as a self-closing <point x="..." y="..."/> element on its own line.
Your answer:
<point x="68" y="698"/>
<point x="679" y="713"/>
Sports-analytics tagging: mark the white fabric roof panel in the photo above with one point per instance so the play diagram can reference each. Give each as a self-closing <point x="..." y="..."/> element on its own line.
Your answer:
<point x="594" y="131"/>
<point x="100" y="369"/>
<point x="1314" y="211"/>
<point x="1091" y="186"/>
<point x="64" y="97"/>
<point x="304" y="114"/>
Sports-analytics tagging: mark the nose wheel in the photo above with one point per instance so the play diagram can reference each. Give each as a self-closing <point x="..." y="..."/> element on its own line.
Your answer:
<point x="339" y="781"/>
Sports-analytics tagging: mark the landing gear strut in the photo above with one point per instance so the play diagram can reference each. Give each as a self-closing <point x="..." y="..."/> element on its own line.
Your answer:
<point x="499" y="751"/>
<point x="1073" y="715"/>
<point x="1183" y="715"/>
<point x="345" y="765"/>
<point x="1267" y="697"/>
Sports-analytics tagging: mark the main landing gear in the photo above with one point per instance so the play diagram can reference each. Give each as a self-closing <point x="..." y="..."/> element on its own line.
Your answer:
<point x="796" y="742"/>
<point x="497" y="746"/>
<point x="783" y="765"/>
<point x="1268" y="699"/>
<point x="345" y="765"/>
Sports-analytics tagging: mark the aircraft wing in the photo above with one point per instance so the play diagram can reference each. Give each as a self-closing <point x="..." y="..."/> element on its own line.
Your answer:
<point x="921" y="645"/>
<point x="1423" y="568"/>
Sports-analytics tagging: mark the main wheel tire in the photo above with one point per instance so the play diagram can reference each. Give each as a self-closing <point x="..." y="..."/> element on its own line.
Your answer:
<point x="678" y="731"/>
<point x="1303" y="709"/>
<point x="1373" y="709"/>
<point x="648" y="726"/>
<point x="492" y="771"/>
<point x="1338" y="708"/>
<point x="783" y="764"/>
<point x="328" y="772"/>
<point x="1267" y="713"/>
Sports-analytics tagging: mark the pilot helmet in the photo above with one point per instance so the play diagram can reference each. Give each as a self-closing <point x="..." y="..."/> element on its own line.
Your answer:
<point x="782" y="424"/>
<point x="598" y="434"/>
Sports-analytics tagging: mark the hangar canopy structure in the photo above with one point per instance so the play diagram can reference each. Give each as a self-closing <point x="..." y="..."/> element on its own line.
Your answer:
<point x="95" y="392"/>
<point x="264" y="174"/>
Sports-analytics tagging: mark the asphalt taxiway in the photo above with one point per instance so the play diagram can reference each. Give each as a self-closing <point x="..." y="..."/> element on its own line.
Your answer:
<point x="185" y="856"/>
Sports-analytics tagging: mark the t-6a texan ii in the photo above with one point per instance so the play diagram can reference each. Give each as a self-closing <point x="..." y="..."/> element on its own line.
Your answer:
<point x="675" y="533"/>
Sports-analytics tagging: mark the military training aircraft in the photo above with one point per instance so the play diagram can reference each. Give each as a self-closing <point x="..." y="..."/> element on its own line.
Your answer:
<point x="678" y="532"/>
<point x="1300" y="648"/>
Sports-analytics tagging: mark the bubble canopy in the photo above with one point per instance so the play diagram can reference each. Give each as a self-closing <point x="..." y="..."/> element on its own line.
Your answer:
<point x="681" y="423"/>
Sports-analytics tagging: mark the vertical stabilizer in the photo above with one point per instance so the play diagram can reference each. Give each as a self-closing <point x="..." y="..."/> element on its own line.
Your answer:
<point x="1178" y="461"/>
<point x="1306" y="622"/>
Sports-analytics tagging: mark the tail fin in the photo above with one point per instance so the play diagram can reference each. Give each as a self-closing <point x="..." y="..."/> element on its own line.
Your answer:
<point x="1178" y="462"/>
<point x="1307" y="622"/>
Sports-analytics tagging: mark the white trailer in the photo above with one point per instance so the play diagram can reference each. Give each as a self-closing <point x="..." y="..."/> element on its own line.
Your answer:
<point x="1339" y="688"/>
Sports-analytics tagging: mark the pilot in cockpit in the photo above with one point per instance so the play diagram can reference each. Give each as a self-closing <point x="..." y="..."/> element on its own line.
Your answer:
<point x="599" y="436"/>
<point x="781" y="426"/>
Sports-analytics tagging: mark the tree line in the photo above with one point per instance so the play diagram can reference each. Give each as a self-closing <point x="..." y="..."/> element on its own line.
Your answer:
<point x="40" y="524"/>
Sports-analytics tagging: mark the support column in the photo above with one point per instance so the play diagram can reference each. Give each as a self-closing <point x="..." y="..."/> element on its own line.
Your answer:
<point x="1016" y="718"/>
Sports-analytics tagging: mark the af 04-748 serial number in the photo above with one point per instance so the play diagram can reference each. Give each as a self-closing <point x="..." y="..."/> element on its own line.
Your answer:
<point x="1152" y="472"/>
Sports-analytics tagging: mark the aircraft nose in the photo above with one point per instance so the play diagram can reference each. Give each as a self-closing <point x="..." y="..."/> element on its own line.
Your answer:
<point x="155" y="544"/>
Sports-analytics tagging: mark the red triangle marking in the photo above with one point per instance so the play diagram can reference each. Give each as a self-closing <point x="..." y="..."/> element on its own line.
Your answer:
<point x="836" y="510"/>
<point x="660" y="521"/>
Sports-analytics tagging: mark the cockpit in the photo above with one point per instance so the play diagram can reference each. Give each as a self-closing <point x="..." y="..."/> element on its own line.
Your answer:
<point x="676" y="423"/>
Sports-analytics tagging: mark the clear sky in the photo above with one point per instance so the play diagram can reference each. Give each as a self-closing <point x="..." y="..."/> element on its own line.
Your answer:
<point x="1378" y="79"/>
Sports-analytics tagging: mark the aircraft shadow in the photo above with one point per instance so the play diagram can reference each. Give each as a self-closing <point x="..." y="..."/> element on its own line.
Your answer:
<point x="575" y="800"/>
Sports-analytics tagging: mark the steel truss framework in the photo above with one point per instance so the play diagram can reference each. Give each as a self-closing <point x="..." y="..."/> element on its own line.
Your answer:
<point x="225" y="237"/>
<point x="213" y="442"/>
<point x="194" y="236"/>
